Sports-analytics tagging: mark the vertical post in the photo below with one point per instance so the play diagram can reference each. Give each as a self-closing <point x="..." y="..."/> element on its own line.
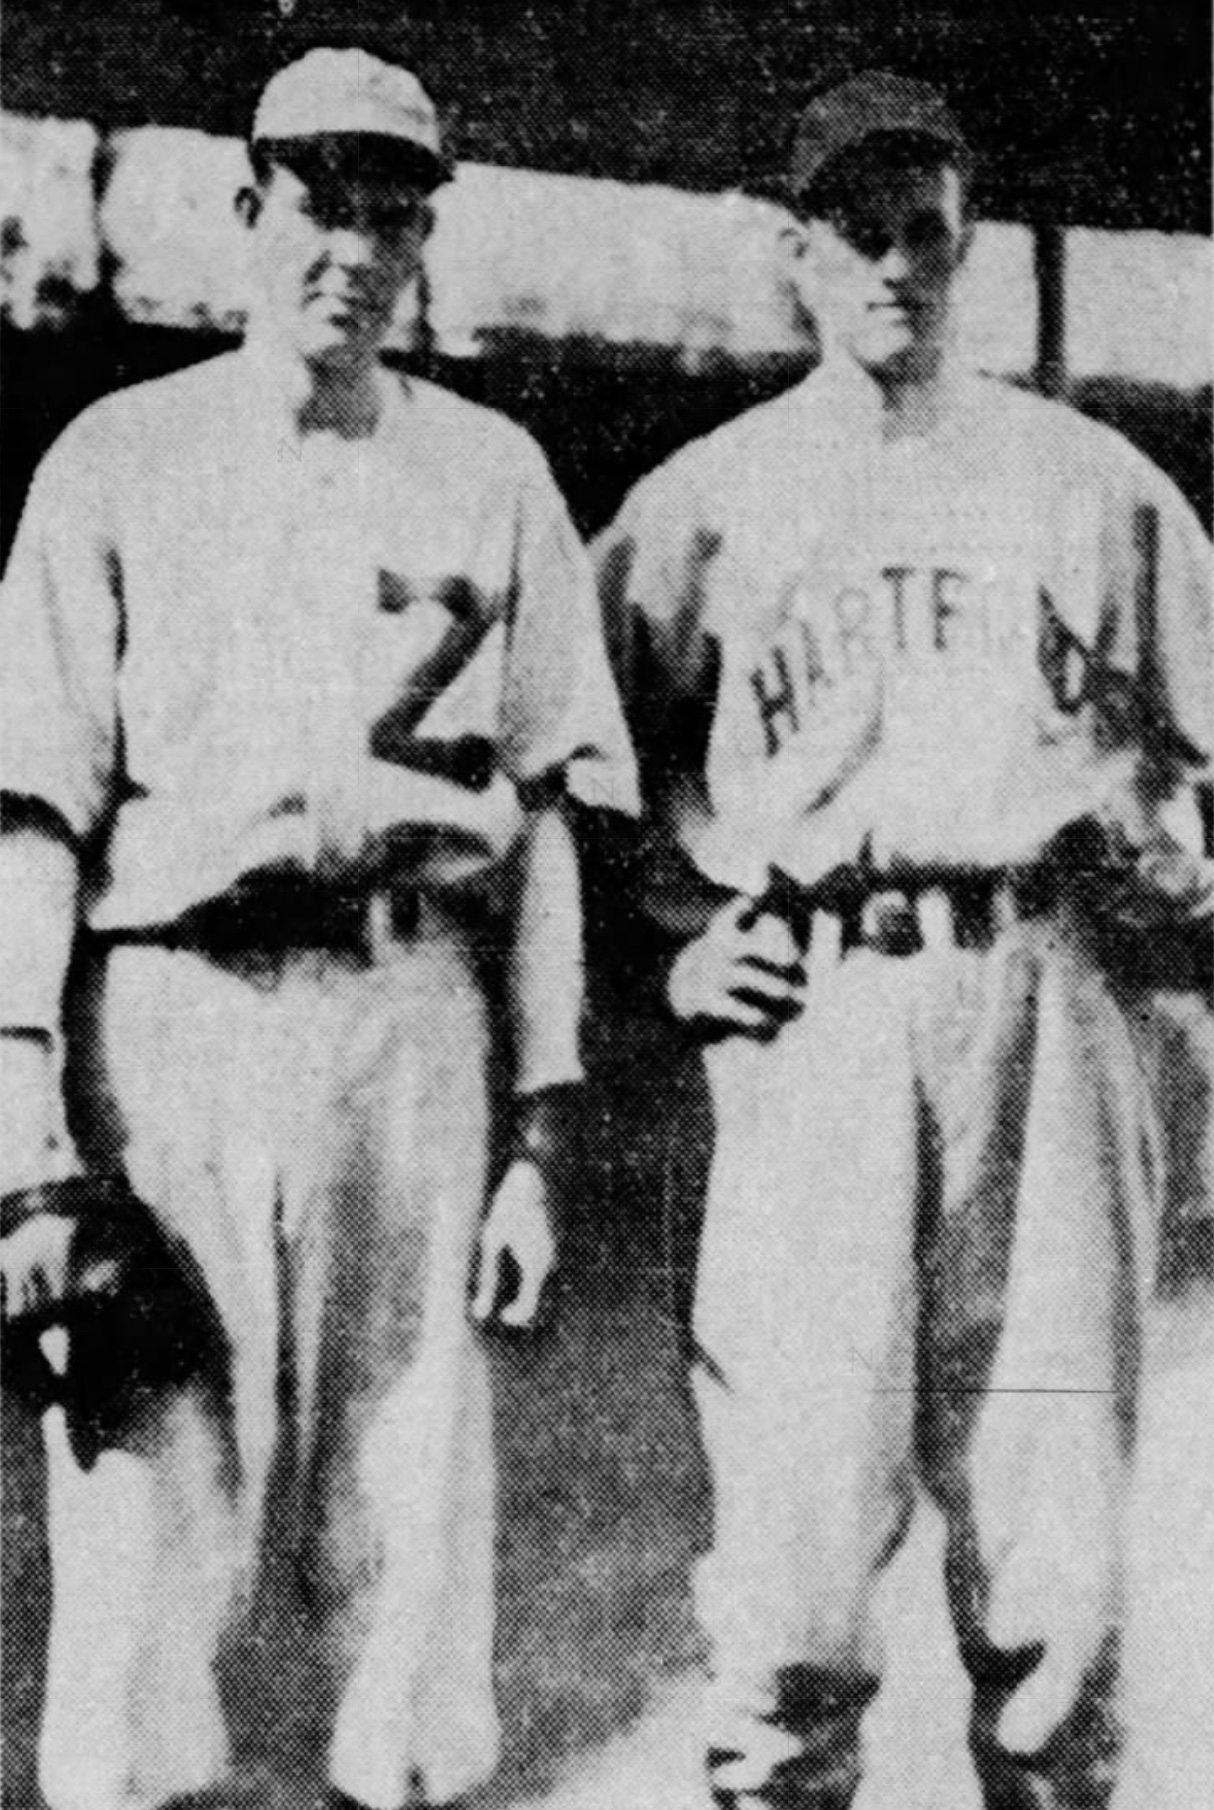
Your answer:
<point x="1049" y="259"/>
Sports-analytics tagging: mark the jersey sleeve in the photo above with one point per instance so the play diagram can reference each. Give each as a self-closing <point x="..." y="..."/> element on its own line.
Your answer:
<point x="561" y="712"/>
<point x="59" y="607"/>
<point x="1175" y="558"/>
<point x="652" y="564"/>
<point x="1156" y="612"/>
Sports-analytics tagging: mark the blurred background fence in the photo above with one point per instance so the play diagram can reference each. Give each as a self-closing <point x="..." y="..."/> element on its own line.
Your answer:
<point x="604" y="268"/>
<point x="614" y="319"/>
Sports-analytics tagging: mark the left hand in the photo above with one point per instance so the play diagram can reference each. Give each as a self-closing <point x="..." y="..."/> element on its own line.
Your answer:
<point x="1162" y="886"/>
<point x="517" y="1245"/>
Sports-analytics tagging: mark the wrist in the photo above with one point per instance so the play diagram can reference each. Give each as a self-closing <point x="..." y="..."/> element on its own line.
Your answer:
<point x="541" y="1127"/>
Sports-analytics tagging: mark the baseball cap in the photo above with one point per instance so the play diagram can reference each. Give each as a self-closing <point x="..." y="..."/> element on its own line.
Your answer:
<point x="343" y="93"/>
<point x="868" y="106"/>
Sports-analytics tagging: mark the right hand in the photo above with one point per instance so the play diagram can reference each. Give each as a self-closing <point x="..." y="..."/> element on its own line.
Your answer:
<point x="744" y="974"/>
<point x="35" y="1148"/>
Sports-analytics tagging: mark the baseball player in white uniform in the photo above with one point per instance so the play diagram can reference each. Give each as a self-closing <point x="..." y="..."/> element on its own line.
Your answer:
<point x="301" y="661"/>
<point x="906" y="651"/>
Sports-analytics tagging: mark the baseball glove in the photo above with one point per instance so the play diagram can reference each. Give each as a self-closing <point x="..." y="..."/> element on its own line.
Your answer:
<point x="1146" y="885"/>
<point x="132" y="1301"/>
<point x="1151" y="902"/>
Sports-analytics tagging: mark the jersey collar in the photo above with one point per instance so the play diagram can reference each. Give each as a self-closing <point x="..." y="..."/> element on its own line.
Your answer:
<point x="278" y="388"/>
<point x="853" y="405"/>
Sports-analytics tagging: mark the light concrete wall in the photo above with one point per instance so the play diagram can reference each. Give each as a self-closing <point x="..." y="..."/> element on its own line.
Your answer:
<point x="1140" y="305"/>
<point x="556" y="254"/>
<point x="50" y="239"/>
<point x="167" y="216"/>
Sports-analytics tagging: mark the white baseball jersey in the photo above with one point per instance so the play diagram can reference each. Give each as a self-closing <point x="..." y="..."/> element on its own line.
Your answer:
<point x="931" y="654"/>
<point x="230" y="647"/>
<point x="936" y="651"/>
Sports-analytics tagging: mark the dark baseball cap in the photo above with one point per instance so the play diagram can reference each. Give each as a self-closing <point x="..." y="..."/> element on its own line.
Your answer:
<point x="875" y="104"/>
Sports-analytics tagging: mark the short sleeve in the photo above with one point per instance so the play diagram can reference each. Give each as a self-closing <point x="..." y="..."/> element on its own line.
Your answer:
<point x="1176" y="560"/>
<point x="59" y="610"/>
<point x="561" y="712"/>
<point x="1155" y="608"/>
<point x="652" y="564"/>
<point x="637" y="562"/>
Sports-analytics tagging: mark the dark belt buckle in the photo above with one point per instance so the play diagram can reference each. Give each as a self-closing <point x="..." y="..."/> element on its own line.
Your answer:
<point x="888" y="923"/>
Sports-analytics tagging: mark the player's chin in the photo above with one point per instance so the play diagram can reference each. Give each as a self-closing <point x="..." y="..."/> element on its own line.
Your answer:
<point x="895" y="335"/>
<point x="338" y="332"/>
<point x="889" y="347"/>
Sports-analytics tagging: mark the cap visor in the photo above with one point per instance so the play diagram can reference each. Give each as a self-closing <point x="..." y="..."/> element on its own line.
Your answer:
<point x="383" y="154"/>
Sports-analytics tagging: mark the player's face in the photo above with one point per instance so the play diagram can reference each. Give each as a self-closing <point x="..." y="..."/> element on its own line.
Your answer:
<point x="879" y="269"/>
<point x="333" y="255"/>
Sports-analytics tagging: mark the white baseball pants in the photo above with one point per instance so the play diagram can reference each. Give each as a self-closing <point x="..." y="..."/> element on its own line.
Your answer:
<point x="315" y="1129"/>
<point x="917" y="1257"/>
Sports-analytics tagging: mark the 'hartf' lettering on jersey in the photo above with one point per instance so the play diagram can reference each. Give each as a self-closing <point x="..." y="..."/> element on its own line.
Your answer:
<point x="904" y="615"/>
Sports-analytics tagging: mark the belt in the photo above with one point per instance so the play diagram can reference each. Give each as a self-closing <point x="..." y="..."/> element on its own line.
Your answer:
<point x="958" y="911"/>
<point x="271" y="918"/>
<point x="900" y="921"/>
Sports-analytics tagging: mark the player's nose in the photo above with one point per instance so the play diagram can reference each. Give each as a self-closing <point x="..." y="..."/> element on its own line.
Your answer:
<point x="349" y="246"/>
<point x="895" y="263"/>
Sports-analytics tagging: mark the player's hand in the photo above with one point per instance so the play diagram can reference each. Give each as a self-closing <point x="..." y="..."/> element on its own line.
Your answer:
<point x="517" y="1250"/>
<point x="34" y="1268"/>
<point x="744" y="974"/>
<point x="1161" y="886"/>
<point x="34" y="1148"/>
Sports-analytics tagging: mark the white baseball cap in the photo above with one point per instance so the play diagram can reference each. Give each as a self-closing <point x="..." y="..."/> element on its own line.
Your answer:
<point x="342" y="93"/>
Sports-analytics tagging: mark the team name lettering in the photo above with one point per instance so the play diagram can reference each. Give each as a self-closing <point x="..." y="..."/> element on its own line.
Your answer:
<point x="772" y="685"/>
<point x="914" y="611"/>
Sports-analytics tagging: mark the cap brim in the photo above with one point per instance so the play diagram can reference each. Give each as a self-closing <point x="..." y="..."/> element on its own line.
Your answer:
<point x="400" y="158"/>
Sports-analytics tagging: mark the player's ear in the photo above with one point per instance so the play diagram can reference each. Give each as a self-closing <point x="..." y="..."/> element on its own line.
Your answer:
<point x="793" y="243"/>
<point x="248" y="204"/>
<point x="967" y="239"/>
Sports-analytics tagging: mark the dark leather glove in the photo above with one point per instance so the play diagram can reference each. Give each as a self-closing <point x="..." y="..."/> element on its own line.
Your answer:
<point x="131" y="1299"/>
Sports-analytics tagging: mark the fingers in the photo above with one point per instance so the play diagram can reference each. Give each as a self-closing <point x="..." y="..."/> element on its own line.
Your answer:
<point x="1068" y="1614"/>
<point x="504" y="1272"/>
<point x="770" y="942"/>
<point x="758" y="997"/>
<point x="744" y="973"/>
<point x="521" y="1312"/>
<point x="759" y="1010"/>
<point x="765" y="982"/>
<point x="737" y="1017"/>
<point x="54" y="1345"/>
<point x="489" y="1277"/>
<point x="1045" y="1699"/>
<point x="34" y="1266"/>
<point x="517" y="1252"/>
<point x="737" y="917"/>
